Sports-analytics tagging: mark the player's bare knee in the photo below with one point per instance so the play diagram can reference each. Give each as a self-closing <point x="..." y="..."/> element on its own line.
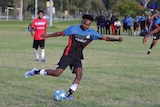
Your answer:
<point x="58" y="72"/>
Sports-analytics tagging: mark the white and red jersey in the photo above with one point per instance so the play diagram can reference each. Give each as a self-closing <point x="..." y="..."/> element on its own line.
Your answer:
<point x="39" y="26"/>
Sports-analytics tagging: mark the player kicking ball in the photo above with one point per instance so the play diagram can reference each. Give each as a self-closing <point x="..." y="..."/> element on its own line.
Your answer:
<point x="79" y="37"/>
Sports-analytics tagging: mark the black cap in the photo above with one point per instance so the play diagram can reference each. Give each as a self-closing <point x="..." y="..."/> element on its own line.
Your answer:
<point x="87" y="16"/>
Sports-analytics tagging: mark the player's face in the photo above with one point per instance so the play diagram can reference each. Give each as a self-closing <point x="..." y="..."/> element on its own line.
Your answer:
<point x="86" y="24"/>
<point x="40" y="15"/>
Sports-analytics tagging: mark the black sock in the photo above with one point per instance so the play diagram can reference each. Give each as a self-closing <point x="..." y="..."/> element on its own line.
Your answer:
<point x="37" y="72"/>
<point x="70" y="92"/>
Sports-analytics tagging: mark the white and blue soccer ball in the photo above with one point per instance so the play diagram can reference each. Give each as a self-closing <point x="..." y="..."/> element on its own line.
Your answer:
<point x="59" y="95"/>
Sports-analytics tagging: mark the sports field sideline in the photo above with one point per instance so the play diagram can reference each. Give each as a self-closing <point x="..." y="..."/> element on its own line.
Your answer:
<point x="114" y="74"/>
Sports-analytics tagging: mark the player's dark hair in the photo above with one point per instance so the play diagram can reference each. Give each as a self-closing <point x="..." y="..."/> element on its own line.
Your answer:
<point x="87" y="16"/>
<point x="39" y="11"/>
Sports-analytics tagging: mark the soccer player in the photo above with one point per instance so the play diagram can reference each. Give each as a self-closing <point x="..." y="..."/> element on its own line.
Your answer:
<point x="156" y="35"/>
<point x="39" y="26"/>
<point x="79" y="37"/>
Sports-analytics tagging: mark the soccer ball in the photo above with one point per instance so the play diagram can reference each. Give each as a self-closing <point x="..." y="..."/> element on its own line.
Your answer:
<point x="59" y="95"/>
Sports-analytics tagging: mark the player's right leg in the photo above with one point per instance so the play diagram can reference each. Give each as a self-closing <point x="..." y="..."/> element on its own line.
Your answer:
<point x="62" y="64"/>
<point x="50" y="72"/>
<point x="35" y="46"/>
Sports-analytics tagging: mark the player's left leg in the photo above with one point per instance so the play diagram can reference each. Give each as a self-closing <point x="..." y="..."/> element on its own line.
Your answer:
<point x="76" y="81"/>
<point x="152" y="45"/>
<point x="76" y="68"/>
<point x="155" y="40"/>
<point x="42" y="45"/>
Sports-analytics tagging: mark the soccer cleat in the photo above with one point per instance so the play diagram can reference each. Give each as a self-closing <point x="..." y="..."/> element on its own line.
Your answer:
<point x="70" y="97"/>
<point x="30" y="73"/>
<point x="37" y="60"/>
<point x="148" y="52"/>
<point x="43" y="60"/>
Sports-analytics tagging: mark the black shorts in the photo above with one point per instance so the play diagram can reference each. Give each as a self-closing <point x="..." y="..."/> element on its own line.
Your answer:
<point x="37" y="43"/>
<point x="156" y="36"/>
<point x="68" y="61"/>
<point x="124" y="26"/>
<point x="135" y="26"/>
<point x="129" y="27"/>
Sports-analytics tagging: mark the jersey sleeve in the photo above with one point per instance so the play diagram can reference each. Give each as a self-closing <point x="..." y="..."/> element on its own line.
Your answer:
<point x="69" y="31"/>
<point x="32" y="24"/>
<point x="96" y="35"/>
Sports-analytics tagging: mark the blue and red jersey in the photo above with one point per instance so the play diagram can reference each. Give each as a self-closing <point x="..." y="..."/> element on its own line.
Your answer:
<point x="78" y="40"/>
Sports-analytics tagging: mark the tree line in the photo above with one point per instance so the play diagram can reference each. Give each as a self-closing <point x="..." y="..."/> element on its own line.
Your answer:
<point x="123" y="7"/>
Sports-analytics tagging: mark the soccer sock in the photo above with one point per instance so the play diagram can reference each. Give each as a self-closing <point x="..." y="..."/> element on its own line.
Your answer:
<point x="134" y="33"/>
<point x="72" y="89"/>
<point x="149" y="50"/>
<point x="36" y="54"/>
<point x="41" y="72"/>
<point x="42" y="53"/>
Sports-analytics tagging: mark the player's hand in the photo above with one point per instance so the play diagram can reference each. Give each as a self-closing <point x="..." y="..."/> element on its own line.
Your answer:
<point x="144" y="40"/>
<point x="43" y="35"/>
<point x="120" y="39"/>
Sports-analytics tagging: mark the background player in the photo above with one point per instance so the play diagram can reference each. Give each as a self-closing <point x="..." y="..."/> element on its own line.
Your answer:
<point x="79" y="37"/>
<point x="39" y="25"/>
<point x="155" y="32"/>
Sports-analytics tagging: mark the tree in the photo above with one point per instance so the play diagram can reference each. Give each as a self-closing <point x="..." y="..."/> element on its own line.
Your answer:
<point x="97" y="6"/>
<point x="125" y="8"/>
<point x="145" y="3"/>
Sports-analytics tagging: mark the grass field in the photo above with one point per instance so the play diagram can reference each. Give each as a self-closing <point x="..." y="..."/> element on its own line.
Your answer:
<point x="115" y="74"/>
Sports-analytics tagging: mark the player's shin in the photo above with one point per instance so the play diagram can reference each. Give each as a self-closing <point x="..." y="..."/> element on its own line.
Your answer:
<point x="72" y="89"/>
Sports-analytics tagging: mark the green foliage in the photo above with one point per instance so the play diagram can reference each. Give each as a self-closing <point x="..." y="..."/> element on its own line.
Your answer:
<point x="126" y="7"/>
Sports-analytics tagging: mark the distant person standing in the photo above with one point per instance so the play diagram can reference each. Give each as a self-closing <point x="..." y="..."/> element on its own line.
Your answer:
<point x="129" y="25"/>
<point x="107" y="25"/>
<point x="149" y="21"/>
<point x="113" y="19"/>
<point x="102" y="23"/>
<point x="97" y="20"/>
<point x="39" y="25"/>
<point x="136" y="26"/>
<point x="143" y="22"/>
<point x="124" y="24"/>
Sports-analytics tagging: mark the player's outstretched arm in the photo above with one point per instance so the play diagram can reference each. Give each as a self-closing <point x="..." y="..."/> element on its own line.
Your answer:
<point x="150" y="33"/>
<point x="120" y="39"/>
<point x="52" y="35"/>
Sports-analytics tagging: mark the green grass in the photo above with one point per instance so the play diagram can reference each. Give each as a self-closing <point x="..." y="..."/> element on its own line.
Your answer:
<point x="114" y="75"/>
